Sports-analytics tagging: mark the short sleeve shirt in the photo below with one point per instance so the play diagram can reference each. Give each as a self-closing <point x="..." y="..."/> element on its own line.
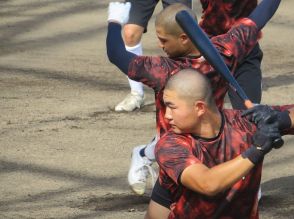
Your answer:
<point x="176" y="152"/>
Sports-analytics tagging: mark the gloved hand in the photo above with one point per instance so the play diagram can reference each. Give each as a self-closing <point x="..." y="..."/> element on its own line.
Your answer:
<point x="263" y="114"/>
<point x="260" y="114"/>
<point x="263" y="142"/>
<point x="119" y="12"/>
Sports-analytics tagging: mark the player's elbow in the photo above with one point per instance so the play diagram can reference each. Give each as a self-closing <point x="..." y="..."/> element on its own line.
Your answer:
<point x="205" y="187"/>
<point x="210" y="188"/>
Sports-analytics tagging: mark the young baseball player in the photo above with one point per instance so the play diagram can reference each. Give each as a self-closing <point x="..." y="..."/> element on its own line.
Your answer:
<point x="211" y="160"/>
<point x="154" y="71"/>
<point x="140" y="14"/>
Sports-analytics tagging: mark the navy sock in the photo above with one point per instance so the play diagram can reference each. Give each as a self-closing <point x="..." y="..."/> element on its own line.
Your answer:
<point x="142" y="152"/>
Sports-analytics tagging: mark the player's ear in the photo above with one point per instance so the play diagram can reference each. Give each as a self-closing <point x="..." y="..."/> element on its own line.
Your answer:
<point x="200" y="107"/>
<point x="184" y="38"/>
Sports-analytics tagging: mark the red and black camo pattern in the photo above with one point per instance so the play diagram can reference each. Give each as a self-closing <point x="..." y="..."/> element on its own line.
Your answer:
<point x="176" y="152"/>
<point x="289" y="131"/>
<point x="155" y="71"/>
<point x="219" y="15"/>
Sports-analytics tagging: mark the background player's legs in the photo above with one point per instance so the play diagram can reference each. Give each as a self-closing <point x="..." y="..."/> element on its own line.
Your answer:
<point x="132" y="36"/>
<point x="248" y="75"/>
<point x="140" y="14"/>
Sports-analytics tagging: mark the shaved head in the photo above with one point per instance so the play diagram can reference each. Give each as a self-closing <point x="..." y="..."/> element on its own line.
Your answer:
<point x="192" y="86"/>
<point x="167" y="18"/>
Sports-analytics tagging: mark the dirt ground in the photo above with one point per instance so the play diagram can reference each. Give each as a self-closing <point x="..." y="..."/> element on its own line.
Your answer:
<point x="64" y="152"/>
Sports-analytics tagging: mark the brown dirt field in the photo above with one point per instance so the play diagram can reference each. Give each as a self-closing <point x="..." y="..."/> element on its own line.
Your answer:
<point x="64" y="152"/>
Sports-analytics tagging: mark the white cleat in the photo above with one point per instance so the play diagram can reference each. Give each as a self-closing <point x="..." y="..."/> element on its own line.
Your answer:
<point x="139" y="171"/>
<point x="130" y="103"/>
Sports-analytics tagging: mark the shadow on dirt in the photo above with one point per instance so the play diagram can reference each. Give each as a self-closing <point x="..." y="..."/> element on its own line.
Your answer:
<point x="277" y="81"/>
<point x="82" y="180"/>
<point x="278" y="197"/>
<point x="116" y="202"/>
<point x="12" y="30"/>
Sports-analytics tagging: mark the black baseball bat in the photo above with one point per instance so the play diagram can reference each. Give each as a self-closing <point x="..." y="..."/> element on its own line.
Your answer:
<point x="207" y="49"/>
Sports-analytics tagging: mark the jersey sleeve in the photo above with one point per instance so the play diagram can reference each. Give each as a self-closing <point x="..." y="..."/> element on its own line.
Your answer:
<point x="237" y="42"/>
<point x="151" y="71"/>
<point x="173" y="154"/>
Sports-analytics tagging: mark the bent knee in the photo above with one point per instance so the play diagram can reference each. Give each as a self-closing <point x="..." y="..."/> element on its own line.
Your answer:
<point x="132" y="34"/>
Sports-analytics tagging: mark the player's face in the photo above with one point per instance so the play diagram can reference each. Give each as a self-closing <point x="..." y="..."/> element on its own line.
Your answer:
<point x="170" y="44"/>
<point x="181" y="114"/>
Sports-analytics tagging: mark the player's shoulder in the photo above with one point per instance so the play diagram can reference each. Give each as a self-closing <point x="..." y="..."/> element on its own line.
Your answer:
<point x="235" y="120"/>
<point x="171" y="138"/>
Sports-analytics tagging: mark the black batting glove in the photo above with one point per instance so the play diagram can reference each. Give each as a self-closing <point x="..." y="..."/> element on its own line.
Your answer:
<point x="263" y="142"/>
<point x="260" y="114"/>
<point x="264" y="114"/>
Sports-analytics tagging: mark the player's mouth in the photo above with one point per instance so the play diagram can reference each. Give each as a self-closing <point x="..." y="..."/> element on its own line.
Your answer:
<point x="173" y="126"/>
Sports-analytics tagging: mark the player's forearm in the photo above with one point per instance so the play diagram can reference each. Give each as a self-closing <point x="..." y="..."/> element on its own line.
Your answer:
<point x="263" y="12"/>
<point x="217" y="179"/>
<point x="291" y="114"/>
<point x="116" y="51"/>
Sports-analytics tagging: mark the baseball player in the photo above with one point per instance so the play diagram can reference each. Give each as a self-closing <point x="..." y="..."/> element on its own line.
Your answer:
<point x="218" y="16"/>
<point x="211" y="160"/>
<point x="154" y="71"/>
<point x="140" y="14"/>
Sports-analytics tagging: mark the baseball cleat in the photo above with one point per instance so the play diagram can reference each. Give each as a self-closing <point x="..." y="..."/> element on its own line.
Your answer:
<point x="130" y="103"/>
<point x="139" y="171"/>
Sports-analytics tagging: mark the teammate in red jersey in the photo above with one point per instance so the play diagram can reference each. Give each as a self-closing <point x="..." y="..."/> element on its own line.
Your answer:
<point x="207" y="152"/>
<point x="154" y="71"/>
<point x="219" y="15"/>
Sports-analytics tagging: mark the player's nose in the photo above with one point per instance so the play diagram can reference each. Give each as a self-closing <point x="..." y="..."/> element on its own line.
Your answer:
<point x="167" y="114"/>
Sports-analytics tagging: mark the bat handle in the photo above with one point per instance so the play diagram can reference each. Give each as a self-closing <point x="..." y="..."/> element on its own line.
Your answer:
<point x="278" y="142"/>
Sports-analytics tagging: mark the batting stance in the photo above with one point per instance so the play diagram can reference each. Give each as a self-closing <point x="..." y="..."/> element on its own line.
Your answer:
<point x="154" y="71"/>
<point x="206" y="151"/>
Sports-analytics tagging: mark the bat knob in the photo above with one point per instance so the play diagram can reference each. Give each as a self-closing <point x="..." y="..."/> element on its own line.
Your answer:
<point x="279" y="142"/>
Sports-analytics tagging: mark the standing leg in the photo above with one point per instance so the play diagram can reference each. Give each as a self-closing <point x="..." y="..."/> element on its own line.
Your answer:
<point x="132" y="37"/>
<point x="140" y="13"/>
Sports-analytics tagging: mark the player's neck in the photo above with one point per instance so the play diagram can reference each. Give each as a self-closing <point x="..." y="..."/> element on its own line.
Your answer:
<point x="210" y="125"/>
<point x="193" y="51"/>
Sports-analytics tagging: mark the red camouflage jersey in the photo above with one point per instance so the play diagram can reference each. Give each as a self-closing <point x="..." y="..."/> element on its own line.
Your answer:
<point x="175" y="152"/>
<point x="219" y="15"/>
<point x="155" y="71"/>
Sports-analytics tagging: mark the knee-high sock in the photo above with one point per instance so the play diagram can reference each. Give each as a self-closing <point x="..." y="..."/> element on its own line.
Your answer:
<point x="136" y="86"/>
